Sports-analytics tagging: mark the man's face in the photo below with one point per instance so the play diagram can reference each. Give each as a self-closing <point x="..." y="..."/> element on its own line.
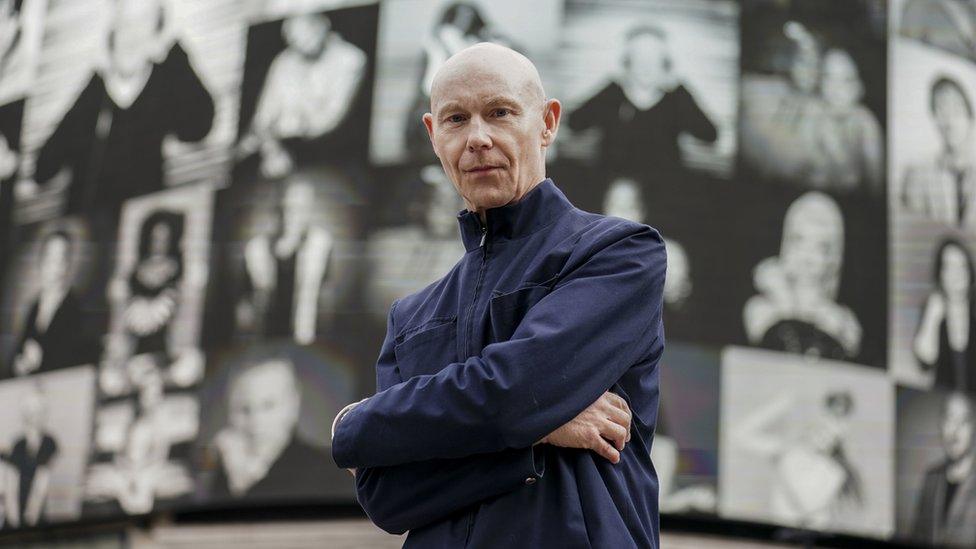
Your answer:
<point x="264" y="404"/>
<point x="957" y="428"/>
<point x="489" y="133"/>
<point x="952" y="119"/>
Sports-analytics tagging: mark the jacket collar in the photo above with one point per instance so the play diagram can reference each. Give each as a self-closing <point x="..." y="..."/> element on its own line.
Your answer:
<point x="539" y="207"/>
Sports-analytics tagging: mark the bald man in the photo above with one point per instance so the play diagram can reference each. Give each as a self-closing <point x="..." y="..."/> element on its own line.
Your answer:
<point x="517" y="395"/>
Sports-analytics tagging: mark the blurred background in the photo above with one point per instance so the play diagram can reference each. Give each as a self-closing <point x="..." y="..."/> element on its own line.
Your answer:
<point x="207" y="209"/>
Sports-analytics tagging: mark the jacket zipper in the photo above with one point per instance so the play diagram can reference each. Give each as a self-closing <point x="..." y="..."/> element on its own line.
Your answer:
<point x="477" y="290"/>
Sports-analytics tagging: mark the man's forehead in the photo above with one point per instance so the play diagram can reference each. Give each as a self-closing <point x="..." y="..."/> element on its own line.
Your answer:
<point x="484" y="72"/>
<point x="474" y="79"/>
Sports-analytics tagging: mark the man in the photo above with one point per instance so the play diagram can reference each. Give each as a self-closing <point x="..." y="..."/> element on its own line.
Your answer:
<point x="310" y="88"/>
<point x="261" y="454"/>
<point x="143" y="89"/>
<point x="946" y="510"/>
<point x="944" y="188"/>
<point x="510" y="388"/>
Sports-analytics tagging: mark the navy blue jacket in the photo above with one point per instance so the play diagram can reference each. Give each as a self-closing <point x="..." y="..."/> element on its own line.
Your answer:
<point x="549" y="307"/>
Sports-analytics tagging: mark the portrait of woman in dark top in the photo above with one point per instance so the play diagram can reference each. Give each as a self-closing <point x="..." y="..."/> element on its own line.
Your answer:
<point x="53" y="335"/>
<point x="642" y="113"/>
<point x="110" y="140"/>
<point x="29" y="473"/>
<point x="154" y="284"/>
<point x="944" y="343"/>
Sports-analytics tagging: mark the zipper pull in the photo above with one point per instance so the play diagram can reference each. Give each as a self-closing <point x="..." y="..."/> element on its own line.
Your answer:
<point x="484" y="233"/>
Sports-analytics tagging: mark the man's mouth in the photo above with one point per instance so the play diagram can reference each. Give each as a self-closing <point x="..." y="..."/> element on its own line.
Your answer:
<point x="481" y="169"/>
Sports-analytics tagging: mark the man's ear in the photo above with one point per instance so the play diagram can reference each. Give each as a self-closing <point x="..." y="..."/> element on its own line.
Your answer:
<point x="429" y="124"/>
<point x="551" y="118"/>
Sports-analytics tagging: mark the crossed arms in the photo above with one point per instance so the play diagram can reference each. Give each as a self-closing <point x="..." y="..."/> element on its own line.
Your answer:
<point x="433" y="444"/>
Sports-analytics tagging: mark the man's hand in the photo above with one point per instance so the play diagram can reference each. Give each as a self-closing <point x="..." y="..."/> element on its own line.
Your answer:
<point x="606" y="419"/>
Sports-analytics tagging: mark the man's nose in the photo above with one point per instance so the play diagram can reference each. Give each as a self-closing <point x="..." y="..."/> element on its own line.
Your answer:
<point x="478" y="138"/>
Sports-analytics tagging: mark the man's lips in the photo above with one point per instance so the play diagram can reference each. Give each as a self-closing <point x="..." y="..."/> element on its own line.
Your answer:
<point x="481" y="169"/>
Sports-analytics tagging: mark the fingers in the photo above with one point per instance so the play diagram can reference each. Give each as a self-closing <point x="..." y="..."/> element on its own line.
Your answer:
<point x="614" y="433"/>
<point x="617" y="411"/>
<point x="619" y="417"/>
<point x="602" y="447"/>
<point x="616" y="400"/>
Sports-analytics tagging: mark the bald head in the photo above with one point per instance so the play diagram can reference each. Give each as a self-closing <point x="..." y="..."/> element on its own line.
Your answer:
<point x="470" y="66"/>
<point x="490" y="124"/>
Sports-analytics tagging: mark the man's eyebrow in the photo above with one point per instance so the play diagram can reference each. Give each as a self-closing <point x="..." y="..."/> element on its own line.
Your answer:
<point x="449" y="106"/>
<point x="453" y="106"/>
<point x="501" y="100"/>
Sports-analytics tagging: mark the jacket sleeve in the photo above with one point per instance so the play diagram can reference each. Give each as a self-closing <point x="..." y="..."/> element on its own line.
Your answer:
<point x="403" y="497"/>
<point x="602" y="317"/>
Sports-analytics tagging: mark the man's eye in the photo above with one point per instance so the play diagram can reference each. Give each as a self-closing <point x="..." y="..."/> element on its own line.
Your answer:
<point x="501" y="112"/>
<point x="456" y="118"/>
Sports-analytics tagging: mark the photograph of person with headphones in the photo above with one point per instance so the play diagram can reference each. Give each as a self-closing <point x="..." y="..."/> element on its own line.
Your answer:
<point x="666" y="104"/>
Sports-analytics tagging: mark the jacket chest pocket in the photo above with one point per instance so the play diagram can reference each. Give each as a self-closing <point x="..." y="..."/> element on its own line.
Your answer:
<point x="506" y="310"/>
<point x="427" y="349"/>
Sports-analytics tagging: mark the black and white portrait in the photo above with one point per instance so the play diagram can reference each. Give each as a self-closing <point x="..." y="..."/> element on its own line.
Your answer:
<point x="156" y="290"/>
<point x="932" y="118"/>
<point x="109" y="143"/>
<point x="130" y="97"/>
<point x="808" y="446"/>
<point x="47" y="316"/>
<point x="936" y="467"/>
<point x="44" y="443"/>
<point x="813" y="94"/>
<point x="284" y="265"/>
<point x="945" y="342"/>
<point x="795" y="308"/>
<point x="650" y="90"/>
<point x="943" y="187"/>
<point x="137" y="460"/>
<point x="266" y="435"/>
<point x="305" y="90"/>
<point x="416" y="37"/>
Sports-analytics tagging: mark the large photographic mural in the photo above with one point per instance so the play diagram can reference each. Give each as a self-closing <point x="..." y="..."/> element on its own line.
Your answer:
<point x="207" y="209"/>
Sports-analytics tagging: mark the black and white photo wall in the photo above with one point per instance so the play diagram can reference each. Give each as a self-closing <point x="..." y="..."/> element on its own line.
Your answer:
<point x="207" y="209"/>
